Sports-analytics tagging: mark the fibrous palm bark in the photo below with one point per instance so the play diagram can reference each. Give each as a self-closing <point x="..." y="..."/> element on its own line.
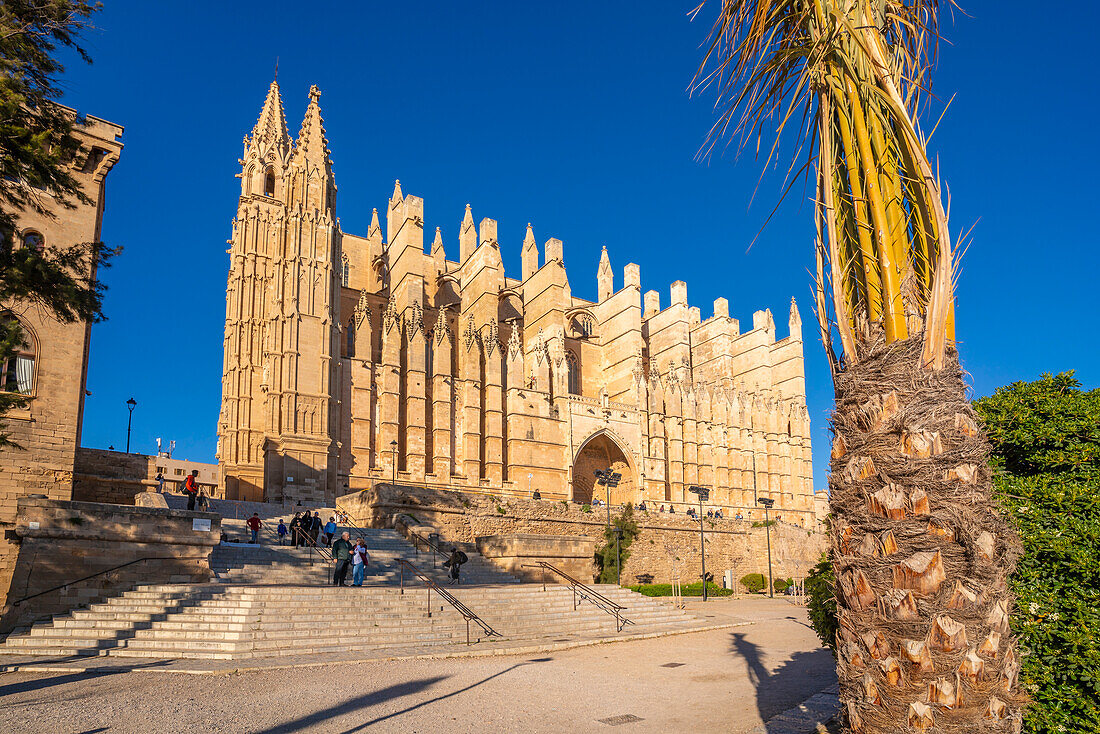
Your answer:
<point x="920" y="552"/>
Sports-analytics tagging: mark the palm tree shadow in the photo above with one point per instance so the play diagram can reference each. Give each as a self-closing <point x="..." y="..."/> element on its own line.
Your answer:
<point x="794" y="681"/>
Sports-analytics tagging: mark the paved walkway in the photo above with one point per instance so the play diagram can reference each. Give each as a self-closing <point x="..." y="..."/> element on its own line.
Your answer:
<point x="736" y="679"/>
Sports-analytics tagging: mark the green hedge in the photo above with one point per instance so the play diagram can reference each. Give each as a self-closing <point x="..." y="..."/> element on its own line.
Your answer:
<point x="695" y="589"/>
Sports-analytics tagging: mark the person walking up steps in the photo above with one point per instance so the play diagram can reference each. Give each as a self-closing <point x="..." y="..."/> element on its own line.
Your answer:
<point x="359" y="560"/>
<point x="315" y="528"/>
<point x="330" y="531"/>
<point x="254" y="524"/>
<point x="191" y="489"/>
<point x="281" y="530"/>
<point x="341" y="554"/>
<point x="456" y="559"/>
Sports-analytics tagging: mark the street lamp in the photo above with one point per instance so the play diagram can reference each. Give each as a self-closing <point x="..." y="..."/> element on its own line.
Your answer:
<point x="608" y="479"/>
<point x="393" y="458"/>
<point x="131" y="404"/>
<point x="768" y="502"/>
<point x="618" y="558"/>
<point x="703" y="494"/>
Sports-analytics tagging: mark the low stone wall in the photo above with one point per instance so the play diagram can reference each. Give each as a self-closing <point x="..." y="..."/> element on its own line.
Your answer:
<point x="666" y="544"/>
<point x="63" y="542"/>
<point x="518" y="552"/>
<point x="113" y="477"/>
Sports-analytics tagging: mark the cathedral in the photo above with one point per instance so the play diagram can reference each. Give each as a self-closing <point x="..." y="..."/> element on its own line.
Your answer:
<point x="356" y="359"/>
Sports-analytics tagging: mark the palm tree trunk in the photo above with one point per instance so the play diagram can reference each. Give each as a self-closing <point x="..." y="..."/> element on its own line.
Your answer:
<point x="921" y="554"/>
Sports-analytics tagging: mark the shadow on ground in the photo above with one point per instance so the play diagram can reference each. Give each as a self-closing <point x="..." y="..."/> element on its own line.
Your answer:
<point x="375" y="698"/>
<point x="790" y="683"/>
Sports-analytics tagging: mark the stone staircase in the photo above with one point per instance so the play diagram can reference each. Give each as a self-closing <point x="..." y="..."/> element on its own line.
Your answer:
<point x="267" y="600"/>
<point x="227" y="622"/>
<point x="241" y="563"/>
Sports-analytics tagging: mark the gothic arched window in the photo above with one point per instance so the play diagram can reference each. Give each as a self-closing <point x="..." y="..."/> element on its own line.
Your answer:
<point x="17" y="371"/>
<point x="269" y="182"/>
<point x="345" y="271"/>
<point x="573" y="373"/>
<point x="351" y="338"/>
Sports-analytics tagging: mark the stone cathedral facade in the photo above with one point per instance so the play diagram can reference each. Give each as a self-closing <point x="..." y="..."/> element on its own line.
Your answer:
<point x="353" y="359"/>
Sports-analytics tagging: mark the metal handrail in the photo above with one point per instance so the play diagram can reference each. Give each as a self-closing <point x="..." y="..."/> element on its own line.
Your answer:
<point x="436" y="550"/>
<point x="17" y="602"/>
<point x="584" y="591"/>
<point x="468" y="614"/>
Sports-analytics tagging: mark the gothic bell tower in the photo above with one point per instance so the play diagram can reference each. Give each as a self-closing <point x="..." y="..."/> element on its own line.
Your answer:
<point x="277" y="427"/>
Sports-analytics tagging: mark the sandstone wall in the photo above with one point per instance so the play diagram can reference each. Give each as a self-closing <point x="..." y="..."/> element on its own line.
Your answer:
<point x="113" y="477"/>
<point x="666" y="543"/>
<point x="63" y="542"/>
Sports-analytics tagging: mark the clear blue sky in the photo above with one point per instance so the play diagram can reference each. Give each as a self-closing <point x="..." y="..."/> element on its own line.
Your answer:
<point x="573" y="116"/>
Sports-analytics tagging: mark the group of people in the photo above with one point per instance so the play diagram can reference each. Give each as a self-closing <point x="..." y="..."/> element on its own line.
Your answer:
<point x="306" y="529"/>
<point x="346" y="555"/>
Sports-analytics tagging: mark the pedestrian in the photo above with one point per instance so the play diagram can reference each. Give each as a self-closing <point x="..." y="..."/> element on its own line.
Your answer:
<point x="160" y="482"/>
<point x="330" y="531"/>
<point x="315" y="528"/>
<point x="191" y="489"/>
<point x="281" y="530"/>
<point x="341" y="555"/>
<point x="359" y="561"/>
<point x="295" y="523"/>
<point x="254" y="524"/>
<point x="453" y="562"/>
<point x="204" y="502"/>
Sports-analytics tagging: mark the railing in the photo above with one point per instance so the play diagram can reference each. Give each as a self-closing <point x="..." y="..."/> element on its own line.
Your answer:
<point x="586" y="592"/>
<point x="436" y="551"/>
<point x="59" y="587"/>
<point x="467" y="613"/>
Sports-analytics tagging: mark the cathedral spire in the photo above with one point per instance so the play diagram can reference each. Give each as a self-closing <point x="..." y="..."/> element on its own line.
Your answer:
<point x="374" y="225"/>
<point x="312" y="145"/>
<point x="529" y="255"/>
<point x="270" y="133"/>
<point x="397" y="195"/>
<point x="467" y="236"/>
<point x="605" y="278"/>
<point x="437" y="243"/>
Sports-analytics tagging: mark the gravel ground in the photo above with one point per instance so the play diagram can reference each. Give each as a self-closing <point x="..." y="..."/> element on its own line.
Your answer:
<point x="727" y="680"/>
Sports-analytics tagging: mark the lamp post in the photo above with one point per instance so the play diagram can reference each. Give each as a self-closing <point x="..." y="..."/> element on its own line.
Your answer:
<point x="393" y="458"/>
<point x="618" y="558"/>
<point x="608" y="479"/>
<point x="611" y="479"/>
<point x="131" y="404"/>
<point x="768" y="502"/>
<point x="702" y="493"/>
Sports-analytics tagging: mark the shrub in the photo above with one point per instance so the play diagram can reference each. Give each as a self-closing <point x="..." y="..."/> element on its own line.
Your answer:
<point x="501" y="510"/>
<point x="695" y="589"/>
<point x="754" y="582"/>
<point x="821" y="602"/>
<point x="780" y="585"/>
<point x="586" y="508"/>
<point x="606" y="557"/>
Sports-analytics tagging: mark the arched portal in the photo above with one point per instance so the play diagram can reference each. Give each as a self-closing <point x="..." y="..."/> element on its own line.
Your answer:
<point x="598" y="453"/>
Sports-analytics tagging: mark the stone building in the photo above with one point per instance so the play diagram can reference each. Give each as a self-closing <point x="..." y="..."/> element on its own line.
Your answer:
<point x="352" y="359"/>
<point x="51" y="366"/>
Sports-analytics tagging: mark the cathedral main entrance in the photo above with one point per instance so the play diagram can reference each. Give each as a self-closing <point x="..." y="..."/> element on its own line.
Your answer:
<point x="598" y="453"/>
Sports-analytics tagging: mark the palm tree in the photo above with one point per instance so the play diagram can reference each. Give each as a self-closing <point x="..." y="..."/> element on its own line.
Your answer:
<point x="920" y="552"/>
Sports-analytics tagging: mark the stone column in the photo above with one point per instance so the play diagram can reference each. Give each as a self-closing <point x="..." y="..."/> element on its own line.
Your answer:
<point x="442" y="400"/>
<point x="415" y="393"/>
<point x="389" y="391"/>
<point x="494" y="406"/>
